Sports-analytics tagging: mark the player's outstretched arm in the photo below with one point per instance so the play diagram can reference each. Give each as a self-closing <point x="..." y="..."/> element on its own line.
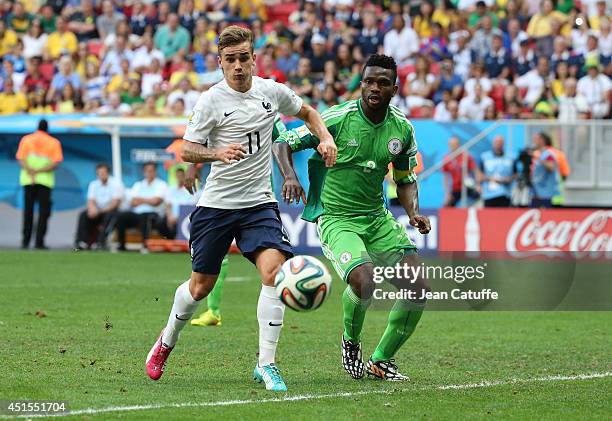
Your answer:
<point x="292" y="189"/>
<point x="313" y="120"/>
<point x="197" y="153"/>
<point x="408" y="195"/>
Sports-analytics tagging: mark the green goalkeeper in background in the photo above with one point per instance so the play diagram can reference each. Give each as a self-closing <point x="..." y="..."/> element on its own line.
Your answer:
<point x="347" y="203"/>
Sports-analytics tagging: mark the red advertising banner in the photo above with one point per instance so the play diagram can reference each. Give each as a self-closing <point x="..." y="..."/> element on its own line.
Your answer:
<point x="586" y="232"/>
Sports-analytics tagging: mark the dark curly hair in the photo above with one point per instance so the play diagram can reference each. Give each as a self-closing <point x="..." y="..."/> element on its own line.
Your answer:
<point x="381" y="60"/>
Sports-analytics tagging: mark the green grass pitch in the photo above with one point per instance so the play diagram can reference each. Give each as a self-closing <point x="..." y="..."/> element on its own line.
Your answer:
<point x="103" y="312"/>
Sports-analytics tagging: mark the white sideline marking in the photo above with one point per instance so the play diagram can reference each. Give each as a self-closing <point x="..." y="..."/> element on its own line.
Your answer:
<point x="483" y="384"/>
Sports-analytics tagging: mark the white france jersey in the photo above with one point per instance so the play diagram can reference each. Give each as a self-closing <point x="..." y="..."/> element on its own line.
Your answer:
<point x="223" y="116"/>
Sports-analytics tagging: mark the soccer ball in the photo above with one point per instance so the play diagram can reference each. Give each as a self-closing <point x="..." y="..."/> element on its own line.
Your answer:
<point x="303" y="283"/>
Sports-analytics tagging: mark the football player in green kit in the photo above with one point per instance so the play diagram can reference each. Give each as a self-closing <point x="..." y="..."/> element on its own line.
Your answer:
<point x="347" y="203"/>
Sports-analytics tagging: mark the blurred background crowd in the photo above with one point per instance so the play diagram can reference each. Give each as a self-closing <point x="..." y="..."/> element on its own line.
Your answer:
<point x="458" y="59"/>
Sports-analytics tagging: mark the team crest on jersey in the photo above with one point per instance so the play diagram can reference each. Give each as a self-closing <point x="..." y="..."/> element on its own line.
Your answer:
<point x="395" y="146"/>
<point x="267" y="105"/>
<point x="345" y="257"/>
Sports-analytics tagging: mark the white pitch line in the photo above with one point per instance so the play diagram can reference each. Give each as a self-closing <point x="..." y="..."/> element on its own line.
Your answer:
<point x="483" y="384"/>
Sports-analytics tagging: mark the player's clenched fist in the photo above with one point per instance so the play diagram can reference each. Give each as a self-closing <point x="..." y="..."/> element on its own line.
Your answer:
<point x="328" y="150"/>
<point x="422" y="223"/>
<point x="233" y="152"/>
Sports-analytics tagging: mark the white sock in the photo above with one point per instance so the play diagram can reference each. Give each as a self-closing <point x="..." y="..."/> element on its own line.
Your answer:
<point x="183" y="308"/>
<point x="270" y="312"/>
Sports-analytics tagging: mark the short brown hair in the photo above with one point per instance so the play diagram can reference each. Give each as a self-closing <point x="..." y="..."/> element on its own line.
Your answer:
<point x="234" y="35"/>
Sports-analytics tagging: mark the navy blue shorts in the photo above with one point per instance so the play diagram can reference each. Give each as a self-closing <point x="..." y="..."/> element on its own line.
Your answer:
<point x="213" y="230"/>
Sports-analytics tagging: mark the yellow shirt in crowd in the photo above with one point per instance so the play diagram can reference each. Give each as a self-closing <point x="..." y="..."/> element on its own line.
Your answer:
<point x="8" y="41"/>
<point x="13" y="103"/>
<point x="58" y="43"/>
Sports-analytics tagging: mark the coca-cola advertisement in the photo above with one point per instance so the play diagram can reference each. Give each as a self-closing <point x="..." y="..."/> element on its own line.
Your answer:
<point x="587" y="233"/>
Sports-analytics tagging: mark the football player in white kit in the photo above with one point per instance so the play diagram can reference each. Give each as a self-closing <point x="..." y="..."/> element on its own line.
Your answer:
<point x="231" y="127"/>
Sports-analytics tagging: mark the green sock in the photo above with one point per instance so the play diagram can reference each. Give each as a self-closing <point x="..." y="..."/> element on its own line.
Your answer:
<point x="354" y="314"/>
<point x="214" y="298"/>
<point x="403" y="318"/>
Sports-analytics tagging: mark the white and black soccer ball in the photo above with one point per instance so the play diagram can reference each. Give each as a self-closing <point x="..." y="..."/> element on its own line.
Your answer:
<point x="303" y="283"/>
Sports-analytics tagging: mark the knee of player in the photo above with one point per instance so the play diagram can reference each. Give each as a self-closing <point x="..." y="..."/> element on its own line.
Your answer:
<point x="361" y="280"/>
<point x="268" y="274"/>
<point x="201" y="286"/>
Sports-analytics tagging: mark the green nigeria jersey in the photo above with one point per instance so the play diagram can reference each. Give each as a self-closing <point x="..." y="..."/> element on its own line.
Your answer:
<point x="354" y="186"/>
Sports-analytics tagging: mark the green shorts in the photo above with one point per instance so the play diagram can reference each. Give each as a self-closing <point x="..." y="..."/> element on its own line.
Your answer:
<point x="352" y="241"/>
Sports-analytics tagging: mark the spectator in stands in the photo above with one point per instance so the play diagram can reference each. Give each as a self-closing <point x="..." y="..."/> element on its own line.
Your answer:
<point x="497" y="61"/>
<point x="534" y="81"/>
<point x="93" y="89"/>
<point x="19" y="19"/>
<point x="453" y="174"/>
<point x="483" y="37"/>
<point x="462" y="55"/>
<point x="401" y="42"/>
<point x="82" y="21"/>
<point x="38" y="154"/>
<point x="545" y="177"/>
<point x="303" y="82"/>
<point x="38" y="104"/>
<point x="188" y="15"/>
<point x="475" y="20"/>
<point x="478" y="77"/>
<point x="122" y="30"/>
<point x="34" y="41"/>
<point x="35" y="80"/>
<point x="595" y="88"/>
<point x="441" y="112"/>
<point x="133" y="96"/>
<point x="318" y="55"/>
<point x="176" y="197"/>
<point x="287" y="59"/>
<point x="144" y="55"/>
<point x="561" y="75"/>
<point x="182" y="67"/>
<point x="176" y="108"/>
<point x="329" y="98"/>
<point x="370" y="38"/>
<point x="514" y="36"/>
<point x="561" y="54"/>
<point x="213" y="73"/>
<point x="8" y="72"/>
<point x="149" y="109"/>
<point x="145" y="199"/>
<point x="186" y="93"/>
<point x="593" y="52"/>
<point x="600" y="14"/>
<point x="12" y="101"/>
<point x="120" y="82"/>
<point x="541" y="27"/>
<point x="139" y="19"/>
<point x="496" y="174"/>
<point x="48" y="18"/>
<point x="171" y="38"/>
<point x="580" y="34"/>
<point x="69" y="101"/>
<point x="513" y="13"/>
<point x="268" y="70"/>
<point x="111" y="64"/>
<point x="473" y="107"/>
<point x="571" y="105"/>
<point x="62" y="41"/>
<point x="422" y="23"/>
<point x="114" y="107"/>
<point x="151" y="76"/>
<point x="525" y="60"/>
<point x="435" y="46"/>
<point x="107" y="22"/>
<point x="8" y="38"/>
<point x="65" y="75"/>
<point x="96" y="222"/>
<point x="419" y="86"/>
<point x="605" y="38"/>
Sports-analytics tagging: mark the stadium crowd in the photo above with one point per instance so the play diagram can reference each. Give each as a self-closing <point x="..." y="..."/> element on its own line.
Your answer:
<point x="459" y="59"/>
